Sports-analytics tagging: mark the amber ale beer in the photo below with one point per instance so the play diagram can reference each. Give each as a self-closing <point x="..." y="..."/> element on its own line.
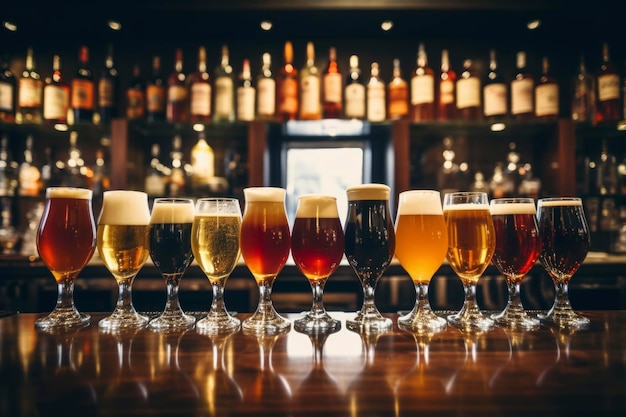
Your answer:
<point x="170" y="236"/>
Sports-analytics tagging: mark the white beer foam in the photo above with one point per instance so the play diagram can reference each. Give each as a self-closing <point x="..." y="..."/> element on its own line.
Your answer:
<point x="512" y="208"/>
<point x="122" y="207"/>
<point x="466" y="206"/>
<point x="558" y="203"/>
<point x="270" y="194"/>
<point x="317" y="206"/>
<point x="167" y="213"/>
<point x="69" y="192"/>
<point x="420" y="202"/>
<point x="368" y="192"/>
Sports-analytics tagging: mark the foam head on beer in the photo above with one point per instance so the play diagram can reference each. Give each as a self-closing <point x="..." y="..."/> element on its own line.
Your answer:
<point x="548" y="202"/>
<point x="122" y="207"/>
<point x="425" y="202"/>
<point x="169" y="211"/>
<point x="69" y="192"/>
<point x="368" y="192"/>
<point x="317" y="206"/>
<point x="512" y="208"/>
<point x="267" y="194"/>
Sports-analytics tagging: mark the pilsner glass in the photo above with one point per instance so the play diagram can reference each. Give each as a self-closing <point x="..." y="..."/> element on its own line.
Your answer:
<point x="170" y="250"/>
<point x="265" y="245"/>
<point x="370" y="244"/>
<point x="124" y="246"/>
<point x="421" y="246"/>
<point x="215" y="242"/>
<point x="471" y="243"/>
<point x="517" y="249"/>
<point x="66" y="240"/>
<point x="565" y="237"/>
<point x="317" y="246"/>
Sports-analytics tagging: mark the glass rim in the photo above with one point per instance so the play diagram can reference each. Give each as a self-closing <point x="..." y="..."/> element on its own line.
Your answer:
<point x="465" y="193"/>
<point x="317" y="196"/>
<point x="512" y="200"/>
<point x="173" y="200"/>
<point x="217" y="199"/>
<point x="424" y="191"/>
<point x="552" y="199"/>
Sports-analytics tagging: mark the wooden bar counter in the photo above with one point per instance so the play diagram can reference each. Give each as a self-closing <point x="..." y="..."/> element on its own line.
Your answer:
<point x="86" y="372"/>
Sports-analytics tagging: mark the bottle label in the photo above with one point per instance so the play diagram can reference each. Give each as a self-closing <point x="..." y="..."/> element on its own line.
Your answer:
<point x="289" y="96"/>
<point x="522" y="96"/>
<point x="608" y="87"/>
<point x="355" y="101"/>
<point x="332" y="88"/>
<point x="398" y="101"/>
<point x="446" y="92"/>
<point x="310" y="95"/>
<point x="200" y="102"/>
<point x="547" y="100"/>
<point x="422" y="89"/>
<point x="29" y="93"/>
<point x="176" y="93"/>
<point x="6" y="97"/>
<point x="155" y="98"/>
<point x="376" y="102"/>
<point x="245" y="103"/>
<point x="495" y="99"/>
<point x="105" y="92"/>
<point x="266" y="105"/>
<point x="224" y="91"/>
<point x="468" y="92"/>
<point x="82" y="94"/>
<point x="135" y="104"/>
<point x="56" y="101"/>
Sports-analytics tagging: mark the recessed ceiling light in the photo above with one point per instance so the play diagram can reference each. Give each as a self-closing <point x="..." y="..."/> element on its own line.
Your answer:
<point x="10" y="26"/>
<point x="386" y="25"/>
<point x="497" y="127"/>
<point x="533" y="24"/>
<point x="114" y="24"/>
<point x="266" y="25"/>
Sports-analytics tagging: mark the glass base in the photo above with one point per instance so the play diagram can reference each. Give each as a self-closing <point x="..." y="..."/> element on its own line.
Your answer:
<point x="515" y="319"/>
<point x="268" y="323"/>
<point x="63" y="320"/>
<point x="122" y="321"/>
<point x="314" y="324"/>
<point x="423" y="321"/>
<point x="564" y="318"/>
<point x="172" y="321"/>
<point x="470" y="322"/>
<point x="371" y="322"/>
<point x="215" y="323"/>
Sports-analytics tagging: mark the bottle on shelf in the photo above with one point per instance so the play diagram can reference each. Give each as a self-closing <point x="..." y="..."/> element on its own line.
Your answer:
<point x="607" y="175"/>
<point x="449" y="175"/>
<point x="468" y="93"/>
<point x="8" y="89"/>
<point x="446" y="104"/>
<point x="495" y="92"/>
<point x="155" y="93"/>
<point x="154" y="182"/>
<point x="101" y="180"/>
<point x="202" y="165"/>
<point x="332" y="88"/>
<point x="354" y="92"/>
<point x="398" y="94"/>
<point x="546" y="93"/>
<point x="583" y="94"/>
<point x="376" y="103"/>
<point x="422" y="89"/>
<point x="522" y="90"/>
<point x="176" y="104"/>
<point x="56" y="95"/>
<point x="75" y="165"/>
<point x="8" y="178"/>
<point x="224" y="108"/>
<point x="108" y="90"/>
<point x="310" y="89"/>
<point x="287" y="87"/>
<point x="177" y="179"/>
<point x="29" y="175"/>
<point x="246" y="94"/>
<point x="83" y="90"/>
<point x="266" y="90"/>
<point x="50" y="173"/>
<point x="500" y="184"/>
<point x="479" y="184"/>
<point x="30" y="92"/>
<point x="135" y="96"/>
<point x="608" y="96"/>
<point x="236" y="169"/>
<point x="200" y="90"/>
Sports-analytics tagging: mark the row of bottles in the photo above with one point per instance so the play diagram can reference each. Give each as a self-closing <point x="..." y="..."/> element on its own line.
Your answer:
<point x="308" y="93"/>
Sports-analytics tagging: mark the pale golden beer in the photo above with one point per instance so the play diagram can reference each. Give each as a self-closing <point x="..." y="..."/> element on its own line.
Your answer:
<point x="123" y="248"/>
<point x="216" y="244"/>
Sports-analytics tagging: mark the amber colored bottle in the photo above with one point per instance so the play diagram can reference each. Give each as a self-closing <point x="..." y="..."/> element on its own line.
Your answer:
<point x="29" y="97"/>
<point x="522" y="89"/>
<point x="397" y="94"/>
<point x="200" y="90"/>
<point x="468" y="93"/>
<point x="155" y="93"/>
<point x="135" y="96"/>
<point x="546" y="94"/>
<point x="83" y="90"/>
<point x="332" y="88"/>
<point x="108" y="90"/>
<point x="8" y="90"/>
<point x="446" y="103"/>
<point x="56" y="95"/>
<point x="176" y="108"/>
<point x="422" y="89"/>
<point x="287" y="87"/>
<point x="608" y="84"/>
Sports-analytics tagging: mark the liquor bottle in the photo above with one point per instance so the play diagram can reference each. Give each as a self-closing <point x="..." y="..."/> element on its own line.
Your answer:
<point x="522" y="89"/>
<point x="246" y="94"/>
<point x="108" y="90"/>
<point x="75" y="164"/>
<point x="266" y="90"/>
<point x="546" y="94"/>
<point x="200" y="91"/>
<point x="50" y="173"/>
<point x="310" y="102"/>
<point x="203" y="166"/>
<point x="608" y="96"/>
<point x="332" y="88"/>
<point x="56" y="95"/>
<point x="30" y="86"/>
<point x="398" y="94"/>
<point x="8" y="181"/>
<point x="29" y="176"/>
<point x="101" y="180"/>
<point x="83" y="89"/>
<point x="177" y="178"/>
<point x="495" y="92"/>
<point x="155" y="93"/>
<point x="135" y="98"/>
<point x="376" y="111"/>
<point x="154" y="183"/>
<point x="607" y="182"/>
<point x="446" y="105"/>
<point x="583" y="94"/>
<point x="354" y="94"/>
<point x="287" y="87"/>
<point x="468" y="93"/>
<point x="224" y="109"/>
<point x="236" y="169"/>
<point x="176" y="104"/>
<point x="449" y="175"/>
<point x="7" y="92"/>
<point x="422" y="89"/>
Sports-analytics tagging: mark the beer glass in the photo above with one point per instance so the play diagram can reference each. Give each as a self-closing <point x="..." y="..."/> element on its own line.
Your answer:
<point x="170" y="250"/>
<point x="265" y="245"/>
<point x="370" y="245"/>
<point x="517" y="249"/>
<point x="471" y="243"/>
<point x="215" y="243"/>
<point x="421" y="246"/>
<point x="66" y="240"/>
<point x="124" y="246"/>
<point x="565" y="237"/>
<point x="317" y="246"/>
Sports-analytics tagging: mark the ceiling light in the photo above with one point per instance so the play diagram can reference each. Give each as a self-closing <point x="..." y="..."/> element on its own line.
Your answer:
<point x="533" y="24"/>
<point x="266" y="25"/>
<point x="386" y="25"/>
<point x="114" y="24"/>
<point x="10" y="26"/>
<point x="497" y="127"/>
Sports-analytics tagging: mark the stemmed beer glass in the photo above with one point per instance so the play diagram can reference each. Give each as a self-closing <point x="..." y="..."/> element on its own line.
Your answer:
<point x="124" y="246"/>
<point x="66" y="240"/>
<point x="215" y="242"/>
<point x="317" y="246"/>
<point x="170" y="250"/>
<point x="565" y="237"/>
<point x="265" y="246"/>
<point x="517" y="249"/>
<point x="421" y="246"/>
<point x="471" y="243"/>
<point x="370" y="243"/>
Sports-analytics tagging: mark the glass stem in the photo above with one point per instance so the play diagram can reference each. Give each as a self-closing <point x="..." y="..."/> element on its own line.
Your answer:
<point x="561" y="299"/>
<point x="368" y="296"/>
<point x="265" y="307"/>
<point x="317" y="309"/>
<point x="65" y="297"/>
<point x="172" y="304"/>
<point x="470" y="306"/>
<point x="421" y="297"/>
<point x="515" y="302"/>
<point x="125" y="300"/>
<point x="217" y="305"/>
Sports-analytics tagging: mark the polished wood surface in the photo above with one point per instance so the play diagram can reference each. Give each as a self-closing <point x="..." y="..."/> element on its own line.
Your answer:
<point x="546" y="372"/>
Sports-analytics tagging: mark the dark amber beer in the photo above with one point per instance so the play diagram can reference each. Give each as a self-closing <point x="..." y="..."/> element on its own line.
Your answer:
<point x="170" y="237"/>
